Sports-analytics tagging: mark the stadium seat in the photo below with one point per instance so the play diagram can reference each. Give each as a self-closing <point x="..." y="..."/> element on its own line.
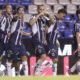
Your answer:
<point x="2" y="2"/>
<point x="71" y="26"/>
<point x="28" y="30"/>
<point x="75" y="17"/>
<point x="68" y="35"/>
<point x="76" y="2"/>
<point x="62" y="27"/>
<point x="26" y="2"/>
<point x="57" y="7"/>
<point x="27" y="17"/>
<point x="67" y="18"/>
<point x="60" y="35"/>
<point x="64" y="2"/>
<point x="71" y="9"/>
<point x="13" y="2"/>
<point x="32" y="9"/>
<point x="39" y="2"/>
<point x="51" y="2"/>
<point x="48" y="9"/>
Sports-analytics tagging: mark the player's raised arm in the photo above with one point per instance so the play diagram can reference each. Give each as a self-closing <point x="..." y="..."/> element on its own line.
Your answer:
<point x="34" y="20"/>
<point x="50" y="17"/>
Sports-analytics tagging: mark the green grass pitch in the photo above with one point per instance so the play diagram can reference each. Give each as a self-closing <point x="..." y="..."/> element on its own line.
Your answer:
<point x="59" y="77"/>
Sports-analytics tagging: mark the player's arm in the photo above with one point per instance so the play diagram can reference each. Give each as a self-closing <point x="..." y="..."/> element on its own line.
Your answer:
<point x="50" y="17"/>
<point x="78" y="40"/>
<point x="34" y="20"/>
<point x="45" y="33"/>
<point x="26" y="34"/>
<point x="58" y="43"/>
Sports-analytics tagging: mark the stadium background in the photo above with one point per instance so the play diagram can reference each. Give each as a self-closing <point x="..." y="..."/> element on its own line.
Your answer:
<point x="66" y="27"/>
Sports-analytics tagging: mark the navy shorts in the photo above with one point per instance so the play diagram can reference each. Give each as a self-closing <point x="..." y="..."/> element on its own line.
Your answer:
<point x="14" y="52"/>
<point x="2" y="47"/>
<point x="52" y="51"/>
<point x="39" y="49"/>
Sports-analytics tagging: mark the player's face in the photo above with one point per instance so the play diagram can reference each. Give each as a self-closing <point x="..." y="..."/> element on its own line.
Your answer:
<point x="8" y="9"/>
<point x="61" y="16"/>
<point x="21" y="11"/>
<point x="41" y="9"/>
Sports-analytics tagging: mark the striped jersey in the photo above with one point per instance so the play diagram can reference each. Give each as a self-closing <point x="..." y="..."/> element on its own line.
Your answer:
<point x="38" y="29"/>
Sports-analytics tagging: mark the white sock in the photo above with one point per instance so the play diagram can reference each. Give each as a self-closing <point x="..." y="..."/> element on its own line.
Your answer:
<point x="54" y="68"/>
<point x="37" y="67"/>
<point x="73" y="68"/>
<point x="9" y="71"/>
<point x="13" y="72"/>
<point x="25" y="66"/>
<point x="48" y="64"/>
<point x="78" y="67"/>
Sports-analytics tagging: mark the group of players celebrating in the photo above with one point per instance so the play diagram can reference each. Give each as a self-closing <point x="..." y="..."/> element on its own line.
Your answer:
<point x="44" y="39"/>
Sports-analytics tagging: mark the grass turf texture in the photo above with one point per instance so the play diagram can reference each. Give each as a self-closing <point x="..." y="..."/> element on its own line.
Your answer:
<point x="60" y="77"/>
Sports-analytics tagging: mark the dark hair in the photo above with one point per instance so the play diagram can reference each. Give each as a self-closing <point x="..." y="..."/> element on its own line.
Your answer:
<point x="40" y="5"/>
<point x="19" y="8"/>
<point x="62" y="11"/>
<point x="14" y="12"/>
<point x="78" y="12"/>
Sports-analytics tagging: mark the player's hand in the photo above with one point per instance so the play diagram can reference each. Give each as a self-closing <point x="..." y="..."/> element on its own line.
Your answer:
<point x="41" y="14"/>
<point x="8" y="34"/>
<point x="45" y="42"/>
<point x="46" y="14"/>
<point x="78" y="48"/>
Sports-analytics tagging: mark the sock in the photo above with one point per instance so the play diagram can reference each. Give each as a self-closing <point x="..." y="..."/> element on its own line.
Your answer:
<point x="73" y="68"/>
<point x="9" y="71"/>
<point x="25" y="66"/>
<point x="13" y="72"/>
<point x="78" y="67"/>
<point x="48" y="64"/>
<point x="37" y="67"/>
<point x="54" y="68"/>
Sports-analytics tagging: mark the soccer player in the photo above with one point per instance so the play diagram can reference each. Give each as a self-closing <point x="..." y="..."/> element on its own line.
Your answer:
<point x="15" y="42"/>
<point x="38" y="23"/>
<point x="52" y="41"/>
<point x="5" y="28"/>
<point x="1" y="51"/>
<point x="76" y="66"/>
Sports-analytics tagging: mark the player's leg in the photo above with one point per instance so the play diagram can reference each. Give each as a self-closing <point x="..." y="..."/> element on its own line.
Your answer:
<point x="53" y="53"/>
<point x="24" y="59"/>
<point x="17" y="68"/>
<point x="10" y="58"/>
<point x="40" y="52"/>
<point x="54" y="66"/>
<point x="78" y="66"/>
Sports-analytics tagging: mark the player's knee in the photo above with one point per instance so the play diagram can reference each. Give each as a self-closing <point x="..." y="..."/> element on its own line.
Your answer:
<point x="43" y="57"/>
<point x="55" y="60"/>
<point x="24" y="58"/>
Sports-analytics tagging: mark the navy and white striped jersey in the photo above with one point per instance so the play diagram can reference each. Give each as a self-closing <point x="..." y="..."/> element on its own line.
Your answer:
<point x="16" y="30"/>
<point x="38" y="29"/>
<point x="52" y="32"/>
<point x="5" y="27"/>
<point x="77" y="26"/>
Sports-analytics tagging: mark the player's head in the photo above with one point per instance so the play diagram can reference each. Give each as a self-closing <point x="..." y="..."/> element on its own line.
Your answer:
<point x="61" y="14"/>
<point x="40" y="8"/>
<point x="8" y="9"/>
<point x="20" y="11"/>
<point x="78" y="13"/>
